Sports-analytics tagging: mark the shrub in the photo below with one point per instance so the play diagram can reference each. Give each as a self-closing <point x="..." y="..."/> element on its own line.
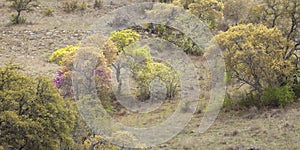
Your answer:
<point x="17" y="19"/>
<point x="82" y="6"/>
<point x="73" y="6"/>
<point x="65" y="58"/>
<point x="98" y="4"/>
<point x="70" y="6"/>
<point x="296" y="89"/>
<point x="172" y="35"/>
<point x="296" y="83"/>
<point x="228" y="102"/>
<point x="58" y="55"/>
<point x="48" y="12"/>
<point x="278" y="96"/>
<point x="251" y="99"/>
<point x="19" y="6"/>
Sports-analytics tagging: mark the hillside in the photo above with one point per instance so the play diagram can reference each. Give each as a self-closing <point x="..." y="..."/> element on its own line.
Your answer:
<point x="236" y="128"/>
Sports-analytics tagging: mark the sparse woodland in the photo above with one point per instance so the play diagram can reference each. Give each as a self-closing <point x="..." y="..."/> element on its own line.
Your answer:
<point x="40" y="42"/>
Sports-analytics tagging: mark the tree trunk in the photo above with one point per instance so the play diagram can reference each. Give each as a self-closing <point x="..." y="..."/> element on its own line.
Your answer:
<point x="18" y="17"/>
<point x="118" y="74"/>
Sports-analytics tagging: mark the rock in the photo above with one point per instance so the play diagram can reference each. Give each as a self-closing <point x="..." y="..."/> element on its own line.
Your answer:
<point x="49" y="33"/>
<point x="193" y="131"/>
<point x="254" y="148"/>
<point x="163" y="145"/>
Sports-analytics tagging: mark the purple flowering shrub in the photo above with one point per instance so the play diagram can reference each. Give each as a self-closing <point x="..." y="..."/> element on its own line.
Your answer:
<point x="59" y="80"/>
<point x="63" y="84"/>
<point x="102" y="73"/>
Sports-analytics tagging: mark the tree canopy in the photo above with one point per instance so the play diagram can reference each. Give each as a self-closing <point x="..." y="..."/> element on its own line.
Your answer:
<point x="32" y="114"/>
<point x="256" y="55"/>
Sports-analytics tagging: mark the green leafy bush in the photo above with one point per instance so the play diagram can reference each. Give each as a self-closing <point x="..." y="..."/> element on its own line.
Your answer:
<point x="251" y="99"/>
<point x="58" y="55"/>
<point x="228" y="102"/>
<point x="296" y="83"/>
<point x="296" y="89"/>
<point x="278" y="96"/>
<point x="32" y="114"/>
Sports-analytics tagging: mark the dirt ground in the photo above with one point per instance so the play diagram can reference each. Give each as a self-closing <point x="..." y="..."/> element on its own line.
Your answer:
<point x="30" y="45"/>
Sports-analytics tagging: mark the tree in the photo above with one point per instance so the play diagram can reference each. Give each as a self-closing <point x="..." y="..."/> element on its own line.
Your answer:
<point x="122" y="39"/>
<point x="235" y="11"/>
<point x="255" y="55"/>
<point x="145" y="69"/>
<point x="183" y="3"/>
<point x="20" y="6"/>
<point x="283" y="14"/>
<point x="101" y="70"/>
<point x="209" y="11"/>
<point x="82" y="135"/>
<point x="32" y="114"/>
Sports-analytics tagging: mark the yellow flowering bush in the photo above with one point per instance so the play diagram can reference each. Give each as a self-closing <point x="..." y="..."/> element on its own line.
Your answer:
<point x="58" y="55"/>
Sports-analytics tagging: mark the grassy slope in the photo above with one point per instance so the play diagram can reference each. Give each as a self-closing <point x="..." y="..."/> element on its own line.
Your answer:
<point x="30" y="44"/>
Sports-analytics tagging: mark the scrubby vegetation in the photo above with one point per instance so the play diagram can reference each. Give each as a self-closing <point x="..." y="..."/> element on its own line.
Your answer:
<point x="98" y="4"/>
<point x="71" y="6"/>
<point x="59" y="54"/>
<point x="260" y="48"/>
<point x="48" y="12"/>
<point x="33" y="115"/>
<point x="20" y="6"/>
